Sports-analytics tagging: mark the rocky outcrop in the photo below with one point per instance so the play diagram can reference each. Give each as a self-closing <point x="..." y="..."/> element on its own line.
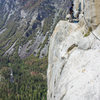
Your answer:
<point x="74" y="58"/>
<point x="90" y="8"/>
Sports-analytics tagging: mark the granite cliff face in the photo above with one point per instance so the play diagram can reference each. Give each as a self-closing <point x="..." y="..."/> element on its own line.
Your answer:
<point x="90" y="8"/>
<point x="74" y="56"/>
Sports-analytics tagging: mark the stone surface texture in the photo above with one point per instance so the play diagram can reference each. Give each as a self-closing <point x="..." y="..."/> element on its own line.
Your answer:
<point x="74" y="59"/>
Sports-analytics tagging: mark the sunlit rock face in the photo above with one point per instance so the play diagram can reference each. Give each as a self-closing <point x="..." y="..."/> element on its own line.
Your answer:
<point x="91" y="11"/>
<point x="74" y="57"/>
<point x="90" y="8"/>
<point x="73" y="71"/>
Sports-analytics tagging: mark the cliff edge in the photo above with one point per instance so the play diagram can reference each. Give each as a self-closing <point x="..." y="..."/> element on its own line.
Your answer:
<point x="74" y="56"/>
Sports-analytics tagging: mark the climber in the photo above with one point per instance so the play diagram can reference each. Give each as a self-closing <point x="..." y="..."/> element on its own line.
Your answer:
<point x="71" y="12"/>
<point x="69" y="16"/>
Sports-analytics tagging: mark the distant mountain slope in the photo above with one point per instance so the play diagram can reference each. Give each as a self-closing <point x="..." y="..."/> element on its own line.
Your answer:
<point x="25" y="25"/>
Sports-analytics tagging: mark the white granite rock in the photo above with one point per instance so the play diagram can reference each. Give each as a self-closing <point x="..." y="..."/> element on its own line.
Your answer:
<point x="74" y="60"/>
<point x="74" y="64"/>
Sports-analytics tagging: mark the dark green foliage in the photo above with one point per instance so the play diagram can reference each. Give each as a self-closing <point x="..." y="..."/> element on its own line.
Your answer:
<point x="29" y="78"/>
<point x="3" y="19"/>
<point x="47" y="24"/>
<point x="89" y="32"/>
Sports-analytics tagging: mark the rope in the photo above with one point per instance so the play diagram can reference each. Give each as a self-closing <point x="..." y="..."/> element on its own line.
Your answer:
<point x="92" y="31"/>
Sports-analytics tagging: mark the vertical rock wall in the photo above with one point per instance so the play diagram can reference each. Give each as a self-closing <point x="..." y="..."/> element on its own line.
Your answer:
<point x="74" y="57"/>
